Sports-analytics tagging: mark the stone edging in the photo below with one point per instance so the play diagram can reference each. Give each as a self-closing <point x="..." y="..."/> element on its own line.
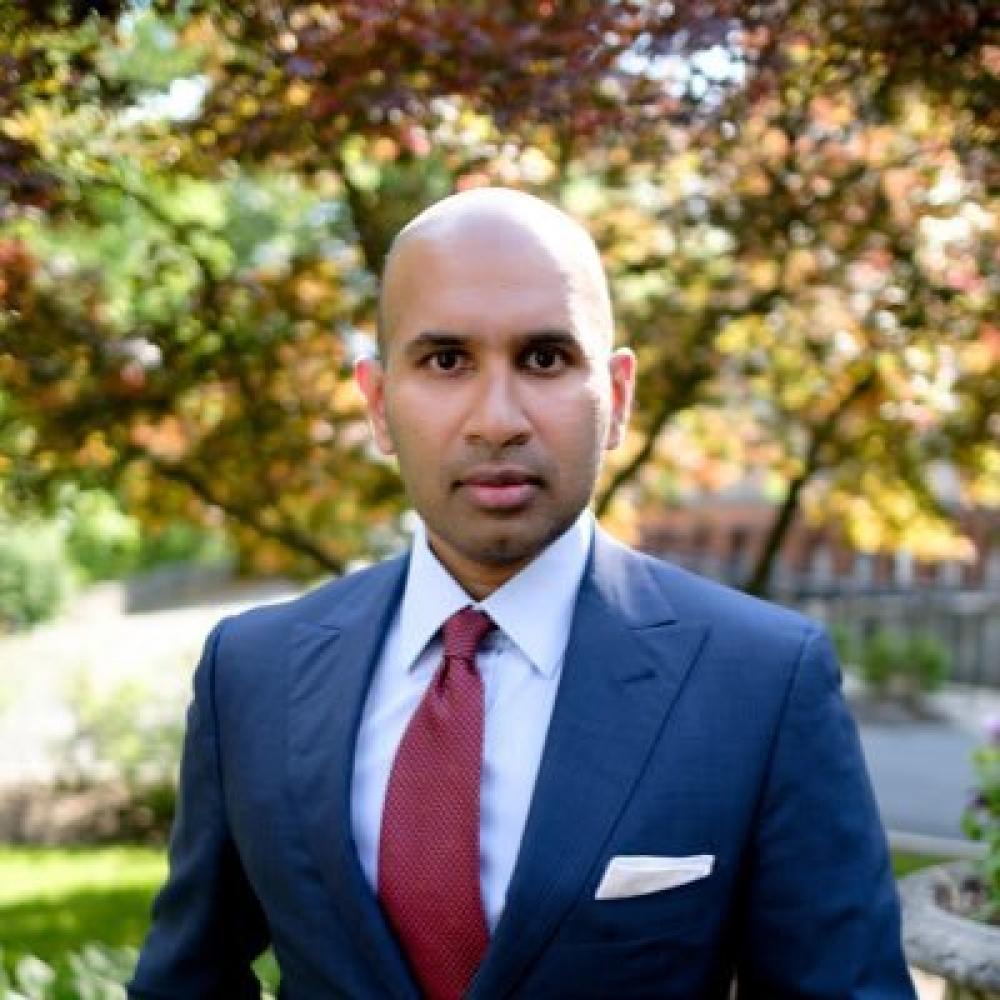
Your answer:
<point x="962" y="951"/>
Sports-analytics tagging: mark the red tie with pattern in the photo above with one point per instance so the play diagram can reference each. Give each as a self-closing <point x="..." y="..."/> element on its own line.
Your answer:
<point x="428" y="867"/>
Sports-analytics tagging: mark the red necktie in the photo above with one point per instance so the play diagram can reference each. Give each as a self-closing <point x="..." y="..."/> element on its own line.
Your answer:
<point x="428" y="867"/>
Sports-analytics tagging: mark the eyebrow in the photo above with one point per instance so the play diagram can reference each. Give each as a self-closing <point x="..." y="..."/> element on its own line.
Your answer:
<point x="560" y="338"/>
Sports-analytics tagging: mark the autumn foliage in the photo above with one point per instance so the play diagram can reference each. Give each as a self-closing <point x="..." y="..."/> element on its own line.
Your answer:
<point x="796" y="202"/>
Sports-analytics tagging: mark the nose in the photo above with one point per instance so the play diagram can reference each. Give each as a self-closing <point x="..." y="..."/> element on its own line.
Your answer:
<point x="497" y="417"/>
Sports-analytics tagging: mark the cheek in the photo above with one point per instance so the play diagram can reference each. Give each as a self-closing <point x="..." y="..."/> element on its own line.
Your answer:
<point x="574" y="424"/>
<point x="421" y="425"/>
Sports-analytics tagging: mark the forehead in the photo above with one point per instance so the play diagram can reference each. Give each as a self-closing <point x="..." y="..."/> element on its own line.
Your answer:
<point x="484" y="283"/>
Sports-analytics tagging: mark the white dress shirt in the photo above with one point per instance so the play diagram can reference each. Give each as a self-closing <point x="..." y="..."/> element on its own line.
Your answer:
<point x="520" y="662"/>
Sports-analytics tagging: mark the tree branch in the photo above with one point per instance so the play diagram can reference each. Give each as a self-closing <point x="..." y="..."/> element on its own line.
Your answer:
<point x="373" y="247"/>
<point x="669" y="406"/>
<point x="760" y="579"/>
<point x="288" y="534"/>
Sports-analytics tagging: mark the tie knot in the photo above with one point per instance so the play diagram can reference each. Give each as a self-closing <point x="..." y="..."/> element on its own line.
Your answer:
<point x="463" y="632"/>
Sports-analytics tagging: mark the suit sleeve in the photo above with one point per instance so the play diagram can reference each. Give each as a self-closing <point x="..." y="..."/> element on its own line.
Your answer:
<point x="207" y="925"/>
<point x="820" y="912"/>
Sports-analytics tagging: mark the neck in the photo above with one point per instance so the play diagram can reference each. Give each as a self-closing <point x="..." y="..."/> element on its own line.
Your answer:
<point x="477" y="579"/>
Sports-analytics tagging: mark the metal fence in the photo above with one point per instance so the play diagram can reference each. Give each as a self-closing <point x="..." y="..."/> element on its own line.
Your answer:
<point x="967" y="622"/>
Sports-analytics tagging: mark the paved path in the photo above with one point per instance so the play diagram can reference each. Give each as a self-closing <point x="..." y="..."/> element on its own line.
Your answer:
<point x="49" y="674"/>
<point x="922" y="771"/>
<point x="922" y="776"/>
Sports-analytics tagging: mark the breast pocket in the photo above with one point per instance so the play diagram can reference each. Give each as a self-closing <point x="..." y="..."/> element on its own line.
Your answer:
<point x="688" y="913"/>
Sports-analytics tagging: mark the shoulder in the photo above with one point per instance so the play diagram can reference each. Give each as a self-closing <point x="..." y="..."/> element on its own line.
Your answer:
<point x="755" y="653"/>
<point x="327" y="606"/>
<point x="751" y="646"/>
<point x="693" y="596"/>
<point x="690" y="597"/>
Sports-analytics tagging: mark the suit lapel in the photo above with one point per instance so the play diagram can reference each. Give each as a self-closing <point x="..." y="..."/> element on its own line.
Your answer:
<point x="624" y="666"/>
<point x="330" y="667"/>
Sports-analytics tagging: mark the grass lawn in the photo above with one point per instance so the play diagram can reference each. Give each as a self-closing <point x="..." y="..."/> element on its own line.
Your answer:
<point x="904" y="863"/>
<point x="52" y="900"/>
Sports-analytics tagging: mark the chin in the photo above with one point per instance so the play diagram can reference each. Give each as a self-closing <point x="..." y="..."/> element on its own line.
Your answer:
<point x="505" y="553"/>
<point x="507" y="548"/>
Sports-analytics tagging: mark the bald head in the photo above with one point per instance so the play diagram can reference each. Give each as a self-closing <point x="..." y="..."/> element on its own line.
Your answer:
<point x="489" y="220"/>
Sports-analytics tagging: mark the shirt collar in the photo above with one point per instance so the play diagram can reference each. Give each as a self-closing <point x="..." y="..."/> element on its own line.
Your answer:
<point x="534" y="608"/>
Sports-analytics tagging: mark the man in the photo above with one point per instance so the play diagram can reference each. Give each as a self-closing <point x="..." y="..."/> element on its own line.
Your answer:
<point x="523" y="760"/>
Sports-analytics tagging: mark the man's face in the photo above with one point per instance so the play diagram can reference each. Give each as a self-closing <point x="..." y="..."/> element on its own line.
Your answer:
<point x="498" y="394"/>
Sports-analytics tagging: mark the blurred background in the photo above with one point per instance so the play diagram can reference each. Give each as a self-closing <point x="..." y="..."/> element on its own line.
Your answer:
<point x="797" y="206"/>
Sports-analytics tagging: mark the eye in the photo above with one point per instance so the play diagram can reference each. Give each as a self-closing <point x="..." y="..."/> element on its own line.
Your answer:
<point x="446" y="359"/>
<point x="545" y="358"/>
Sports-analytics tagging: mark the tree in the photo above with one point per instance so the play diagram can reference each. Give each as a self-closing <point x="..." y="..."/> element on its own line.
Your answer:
<point x="794" y="203"/>
<point x="845" y="315"/>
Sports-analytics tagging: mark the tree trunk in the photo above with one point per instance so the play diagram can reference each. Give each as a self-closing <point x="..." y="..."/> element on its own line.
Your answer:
<point x="759" y="581"/>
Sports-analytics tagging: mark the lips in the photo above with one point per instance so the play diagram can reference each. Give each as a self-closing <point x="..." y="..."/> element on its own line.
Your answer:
<point x="500" y="489"/>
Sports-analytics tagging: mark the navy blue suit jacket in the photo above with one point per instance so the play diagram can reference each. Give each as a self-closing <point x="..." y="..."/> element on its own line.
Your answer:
<point x="690" y="719"/>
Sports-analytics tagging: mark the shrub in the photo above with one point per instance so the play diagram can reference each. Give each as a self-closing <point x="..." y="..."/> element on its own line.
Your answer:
<point x="902" y="665"/>
<point x="181" y="541"/>
<point x="981" y="820"/>
<point x="96" y="972"/>
<point x="928" y="660"/>
<point x="36" y="575"/>
<point x="126" y="737"/>
<point x="880" y="659"/>
<point x="87" y="538"/>
<point x="107" y="544"/>
<point x="102" y="541"/>
<point x="844" y="642"/>
<point x="126" y="730"/>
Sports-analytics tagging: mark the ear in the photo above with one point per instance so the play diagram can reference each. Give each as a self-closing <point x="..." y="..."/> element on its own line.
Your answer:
<point x="370" y="378"/>
<point x="622" y="367"/>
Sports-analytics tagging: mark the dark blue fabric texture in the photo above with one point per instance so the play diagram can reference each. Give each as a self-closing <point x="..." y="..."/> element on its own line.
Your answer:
<point x="690" y="719"/>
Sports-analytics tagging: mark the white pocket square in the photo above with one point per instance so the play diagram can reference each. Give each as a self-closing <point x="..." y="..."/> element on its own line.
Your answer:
<point x="639" y="874"/>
